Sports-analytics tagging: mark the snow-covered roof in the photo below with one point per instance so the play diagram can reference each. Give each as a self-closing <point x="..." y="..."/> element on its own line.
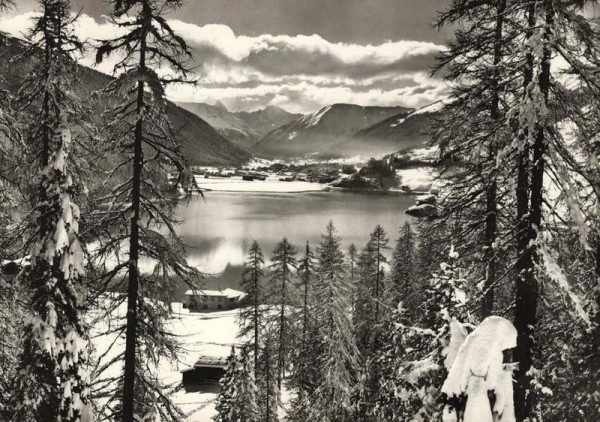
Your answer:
<point x="206" y="361"/>
<point x="232" y="293"/>
<point x="228" y="293"/>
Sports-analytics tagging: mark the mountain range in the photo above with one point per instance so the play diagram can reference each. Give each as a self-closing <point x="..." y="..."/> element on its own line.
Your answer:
<point x="346" y="130"/>
<point x="243" y="128"/>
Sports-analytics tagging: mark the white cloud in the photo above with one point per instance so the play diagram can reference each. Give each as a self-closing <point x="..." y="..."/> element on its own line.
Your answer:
<point x="300" y="72"/>
<point x="305" y="96"/>
<point x="238" y="48"/>
<point x="17" y="25"/>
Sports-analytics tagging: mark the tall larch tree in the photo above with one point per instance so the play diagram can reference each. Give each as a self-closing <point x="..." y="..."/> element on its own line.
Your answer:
<point x="378" y="243"/>
<point x="305" y="317"/>
<point x="369" y="304"/>
<point x="472" y="132"/>
<point x="303" y="375"/>
<point x="251" y="317"/>
<point x="283" y="267"/>
<point x="551" y="102"/>
<point x="542" y="91"/>
<point x="52" y="379"/>
<point x="352" y="262"/>
<point x="306" y="273"/>
<point x="149" y="56"/>
<point x="403" y="277"/>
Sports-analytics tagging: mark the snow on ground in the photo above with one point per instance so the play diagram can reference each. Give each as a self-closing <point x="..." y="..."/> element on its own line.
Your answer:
<point x="271" y="184"/>
<point x="210" y="334"/>
<point x="424" y="154"/>
<point x="398" y="122"/>
<point x="418" y="179"/>
<point x="259" y="162"/>
<point x="432" y="108"/>
<point x="314" y="118"/>
<point x="355" y="160"/>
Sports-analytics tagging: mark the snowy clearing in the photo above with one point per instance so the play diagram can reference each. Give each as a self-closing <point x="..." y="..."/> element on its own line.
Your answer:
<point x="418" y="179"/>
<point x="210" y="334"/>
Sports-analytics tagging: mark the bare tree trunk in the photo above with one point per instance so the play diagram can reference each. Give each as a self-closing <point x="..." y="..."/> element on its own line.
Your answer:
<point x="377" y="283"/>
<point x="256" y="305"/>
<point x="281" y="347"/>
<point x="527" y="285"/>
<point x="132" y="288"/>
<point x="491" y="224"/>
<point x="268" y="381"/>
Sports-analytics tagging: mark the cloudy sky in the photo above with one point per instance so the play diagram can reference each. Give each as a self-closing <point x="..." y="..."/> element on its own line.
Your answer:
<point x="297" y="54"/>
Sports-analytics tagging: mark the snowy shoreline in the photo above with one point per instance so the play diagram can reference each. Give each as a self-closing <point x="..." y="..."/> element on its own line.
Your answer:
<point x="418" y="181"/>
<point x="271" y="185"/>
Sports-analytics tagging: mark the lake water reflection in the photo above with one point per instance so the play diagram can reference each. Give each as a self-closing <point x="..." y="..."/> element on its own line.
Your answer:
<point x="220" y="229"/>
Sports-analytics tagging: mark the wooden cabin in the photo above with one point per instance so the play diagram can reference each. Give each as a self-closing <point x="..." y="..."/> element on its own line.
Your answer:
<point x="208" y="370"/>
<point x="212" y="300"/>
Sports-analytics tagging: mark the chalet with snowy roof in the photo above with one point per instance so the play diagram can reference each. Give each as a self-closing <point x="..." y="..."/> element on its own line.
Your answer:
<point x="212" y="300"/>
<point x="207" y="370"/>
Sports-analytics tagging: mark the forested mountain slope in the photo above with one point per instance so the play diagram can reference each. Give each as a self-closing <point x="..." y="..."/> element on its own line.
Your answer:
<point x="321" y="132"/>
<point x="403" y="131"/>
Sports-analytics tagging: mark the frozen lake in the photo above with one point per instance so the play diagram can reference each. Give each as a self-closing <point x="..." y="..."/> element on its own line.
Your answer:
<point x="220" y="229"/>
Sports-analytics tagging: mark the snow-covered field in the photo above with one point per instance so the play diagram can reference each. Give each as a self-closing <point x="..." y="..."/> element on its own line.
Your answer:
<point x="418" y="179"/>
<point x="424" y="154"/>
<point x="271" y="184"/>
<point x="210" y="334"/>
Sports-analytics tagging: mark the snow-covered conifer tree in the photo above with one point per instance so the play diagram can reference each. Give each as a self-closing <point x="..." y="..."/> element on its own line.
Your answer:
<point x="476" y="372"/>
<point x="283" y="266"/>
<point x="404" y="284"/>
<point x="391" y="401"/>
<point x="237" y="399"/>
<point x="336" y="359"/>
<point x="52" y="379"/>
<point x="363" y="315"/>
<point x="245" y="403"/>
<point x="229" y="390"/>
<point x="416" y="354"/>
<point x="376" y="246"/>
<point x="306" y="272"/>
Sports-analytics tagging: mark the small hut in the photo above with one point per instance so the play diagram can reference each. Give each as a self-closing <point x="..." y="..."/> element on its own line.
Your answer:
<point x="207" y="370"/>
